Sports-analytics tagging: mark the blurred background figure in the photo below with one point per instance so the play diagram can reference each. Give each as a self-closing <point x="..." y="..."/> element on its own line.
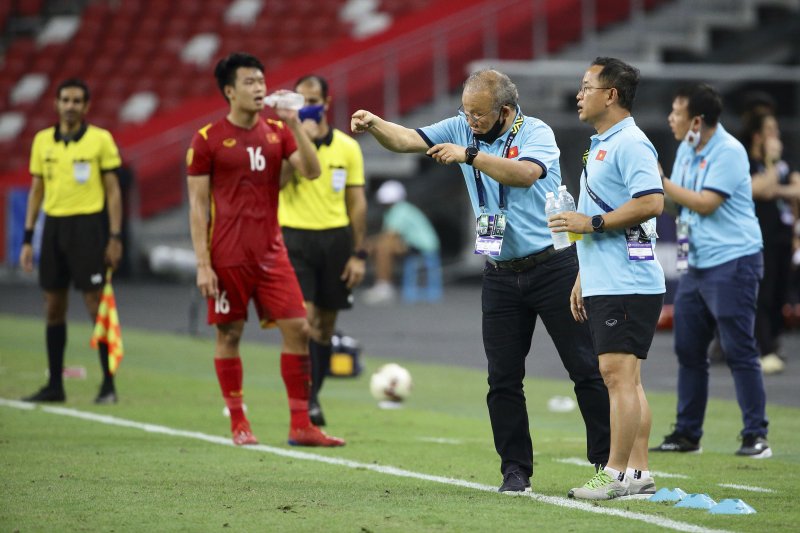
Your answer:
<point x="776" y="192"/>
<point x="406" y="230"/>
<point x="73" y="165"/>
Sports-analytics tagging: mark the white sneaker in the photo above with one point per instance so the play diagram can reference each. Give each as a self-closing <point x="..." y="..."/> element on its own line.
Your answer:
<point x="772" y="364"/>
<point x="643" y="488"/>
<point x="380" y="294"/>
<point x="600" y="487"/>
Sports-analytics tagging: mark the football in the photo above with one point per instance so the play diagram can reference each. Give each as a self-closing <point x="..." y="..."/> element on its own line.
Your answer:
<point x="391" y="383"/>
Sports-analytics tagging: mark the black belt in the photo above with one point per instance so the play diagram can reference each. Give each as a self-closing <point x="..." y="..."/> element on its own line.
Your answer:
<point x="528" y="262"/>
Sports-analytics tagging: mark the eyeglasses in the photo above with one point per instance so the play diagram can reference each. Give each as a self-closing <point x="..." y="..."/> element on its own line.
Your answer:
<point x="469" y="117"/>
<point x="585" y="88"/>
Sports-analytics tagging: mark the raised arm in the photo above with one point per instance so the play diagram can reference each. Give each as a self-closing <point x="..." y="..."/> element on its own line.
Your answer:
<point x="391" y="136"/>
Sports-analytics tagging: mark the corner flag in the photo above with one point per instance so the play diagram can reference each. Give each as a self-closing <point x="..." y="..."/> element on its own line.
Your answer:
<point x="107" y="329"/>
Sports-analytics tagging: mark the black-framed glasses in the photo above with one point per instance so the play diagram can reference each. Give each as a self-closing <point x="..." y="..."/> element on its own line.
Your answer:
<point x="472" y="117"/>
<point x="585" y="88"/>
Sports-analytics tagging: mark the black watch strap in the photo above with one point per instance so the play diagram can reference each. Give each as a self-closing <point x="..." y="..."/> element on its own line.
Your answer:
<point x="361" y="254"/>
<point x="598" y="223"/>
<point x="472" y="153"/>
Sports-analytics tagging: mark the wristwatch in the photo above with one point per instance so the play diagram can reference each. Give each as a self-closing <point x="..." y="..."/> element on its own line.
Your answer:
<point x="472" y="153"/>
<point x="361" y="254"/>
<point x="598" y="223"/>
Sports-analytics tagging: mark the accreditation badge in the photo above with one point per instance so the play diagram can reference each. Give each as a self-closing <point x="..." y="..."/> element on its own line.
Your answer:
<point x="81" y="171"/>
<point x="682" y="233"/>
<point x="489" y="231"/>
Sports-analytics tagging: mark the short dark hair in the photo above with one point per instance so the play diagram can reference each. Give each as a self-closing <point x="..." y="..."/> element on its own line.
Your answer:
<point x="225" y="71"/>
<point x="753" y="123"/>
<point x="73" y="82"/>
<point x="703" y="101"/>
<point x="621" y="76"/>
<point x="323" y="83"/>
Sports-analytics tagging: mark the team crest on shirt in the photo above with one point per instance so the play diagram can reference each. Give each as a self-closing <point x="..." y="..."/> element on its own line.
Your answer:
<point x="702" y="164"/>
<point x="273" y="138"/>
<point x="601" y="155"/>
<point x="229" y="143"/>
<point x="513" y="152"/>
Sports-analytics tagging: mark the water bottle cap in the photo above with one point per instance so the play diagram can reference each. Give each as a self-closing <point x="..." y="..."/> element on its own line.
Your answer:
<point x="562" y="187"/>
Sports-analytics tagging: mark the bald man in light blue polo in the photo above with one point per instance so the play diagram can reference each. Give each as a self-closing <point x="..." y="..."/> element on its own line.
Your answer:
<point x="509" y="162"/>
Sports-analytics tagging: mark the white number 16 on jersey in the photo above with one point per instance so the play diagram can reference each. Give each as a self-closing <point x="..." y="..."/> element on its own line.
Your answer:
<point x="221" y="304"/>
<point x="257" y="160"/>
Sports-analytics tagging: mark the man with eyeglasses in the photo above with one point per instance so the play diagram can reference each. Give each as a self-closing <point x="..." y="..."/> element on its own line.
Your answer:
<point x="620" y="288"/>
<point x="509" y="162"/>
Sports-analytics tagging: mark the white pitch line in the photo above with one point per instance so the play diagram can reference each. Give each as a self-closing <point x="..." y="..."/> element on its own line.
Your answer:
<point x="390" y="470"/>
<point x="745" y="487"/>
<point x="439" y="440"/>
<point x="583" y="462"/>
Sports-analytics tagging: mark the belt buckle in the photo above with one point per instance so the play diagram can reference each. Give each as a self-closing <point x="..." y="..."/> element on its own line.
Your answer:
<point x="519" y="265"/>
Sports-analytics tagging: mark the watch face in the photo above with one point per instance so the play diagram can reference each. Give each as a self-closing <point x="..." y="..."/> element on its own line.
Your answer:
<point x="472" y="150"/>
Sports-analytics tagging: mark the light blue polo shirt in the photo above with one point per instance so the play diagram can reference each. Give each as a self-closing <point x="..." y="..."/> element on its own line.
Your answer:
<point x="622" y="164"/>
<point x="526" y="226"/>
<point x="732" y="231"/>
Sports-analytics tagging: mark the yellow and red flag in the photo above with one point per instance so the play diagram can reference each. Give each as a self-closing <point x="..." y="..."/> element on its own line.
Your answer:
<point x="107" y="329"/>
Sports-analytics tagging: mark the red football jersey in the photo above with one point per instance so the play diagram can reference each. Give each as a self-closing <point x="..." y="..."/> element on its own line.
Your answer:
<point x="244" y="166"/>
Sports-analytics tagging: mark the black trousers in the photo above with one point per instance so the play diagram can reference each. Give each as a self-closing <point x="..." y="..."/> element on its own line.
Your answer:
<point x="773" y="293"/>
<point x="511" y="302"/>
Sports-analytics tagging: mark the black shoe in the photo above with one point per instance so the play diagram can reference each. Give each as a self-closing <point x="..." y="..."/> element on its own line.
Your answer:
<point x="678" y="442"/>
<point x="515" y="481"/>
<point x="755" y="447"/>
<point x="315" y="414"/>
<point x="47" y="394"/>
<point x="106" y="396"/>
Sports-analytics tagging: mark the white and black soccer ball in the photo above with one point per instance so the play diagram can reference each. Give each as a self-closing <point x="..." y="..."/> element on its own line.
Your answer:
<point x="391" y="383"/>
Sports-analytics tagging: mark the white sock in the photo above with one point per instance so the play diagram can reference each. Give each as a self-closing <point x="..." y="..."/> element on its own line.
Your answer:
<point x="632" y="473"/>
<point x="616" y="474"/>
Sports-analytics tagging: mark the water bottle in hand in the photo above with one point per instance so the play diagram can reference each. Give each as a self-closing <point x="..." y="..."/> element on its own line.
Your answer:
<point x="568" y="204"/>
<point x="285" y="100"/>
<point x="552" y="206"/>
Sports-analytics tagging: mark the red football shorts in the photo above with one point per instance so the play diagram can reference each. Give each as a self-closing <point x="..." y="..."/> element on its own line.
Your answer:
<point x="274" y="289"/>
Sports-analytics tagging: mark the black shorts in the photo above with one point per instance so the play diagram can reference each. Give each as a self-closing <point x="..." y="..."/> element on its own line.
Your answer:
<point x="73" y="248"/>
<point x="624" y="323"/>
<point x="319" y="258"/>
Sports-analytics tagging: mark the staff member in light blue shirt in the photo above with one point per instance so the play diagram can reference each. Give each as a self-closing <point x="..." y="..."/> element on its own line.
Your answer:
<point x="711" y="180"/>
<point x="509" y="162"/>
<point x="620" y="288"/>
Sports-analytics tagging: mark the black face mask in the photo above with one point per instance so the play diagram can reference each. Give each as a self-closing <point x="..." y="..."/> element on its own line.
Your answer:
<point x="493" y="133"/>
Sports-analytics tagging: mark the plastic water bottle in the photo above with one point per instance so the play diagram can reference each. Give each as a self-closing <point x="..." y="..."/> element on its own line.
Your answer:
<point x="285" y="100"/>
<point x="568" y="204"/>
<point x="552" y="206"/>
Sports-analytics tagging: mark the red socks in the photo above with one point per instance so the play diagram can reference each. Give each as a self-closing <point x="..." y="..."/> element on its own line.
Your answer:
<point x="296" y="373"/>
<point x="229" y="374"/>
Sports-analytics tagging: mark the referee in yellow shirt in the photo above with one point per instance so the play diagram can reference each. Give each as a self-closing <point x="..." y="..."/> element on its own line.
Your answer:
<point x="73" y="167"/>
<point x="324" y="222"/>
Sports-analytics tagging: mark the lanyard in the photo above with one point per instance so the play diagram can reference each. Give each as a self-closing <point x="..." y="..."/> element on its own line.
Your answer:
<point x="599" y="201"/>
<point x="479" y="181"/>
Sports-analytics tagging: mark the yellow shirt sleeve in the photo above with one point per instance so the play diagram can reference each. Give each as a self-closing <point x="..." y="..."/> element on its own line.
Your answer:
<point x="355" y="174"/>
<point x="109" y="154"/>
<point x="36" y="168"/>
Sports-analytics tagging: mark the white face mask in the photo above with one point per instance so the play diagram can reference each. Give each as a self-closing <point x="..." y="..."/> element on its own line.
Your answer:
<point x="692" y="138"/>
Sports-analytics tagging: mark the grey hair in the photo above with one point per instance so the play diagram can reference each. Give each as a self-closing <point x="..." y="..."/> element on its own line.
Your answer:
<point x="495" y="83"/>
